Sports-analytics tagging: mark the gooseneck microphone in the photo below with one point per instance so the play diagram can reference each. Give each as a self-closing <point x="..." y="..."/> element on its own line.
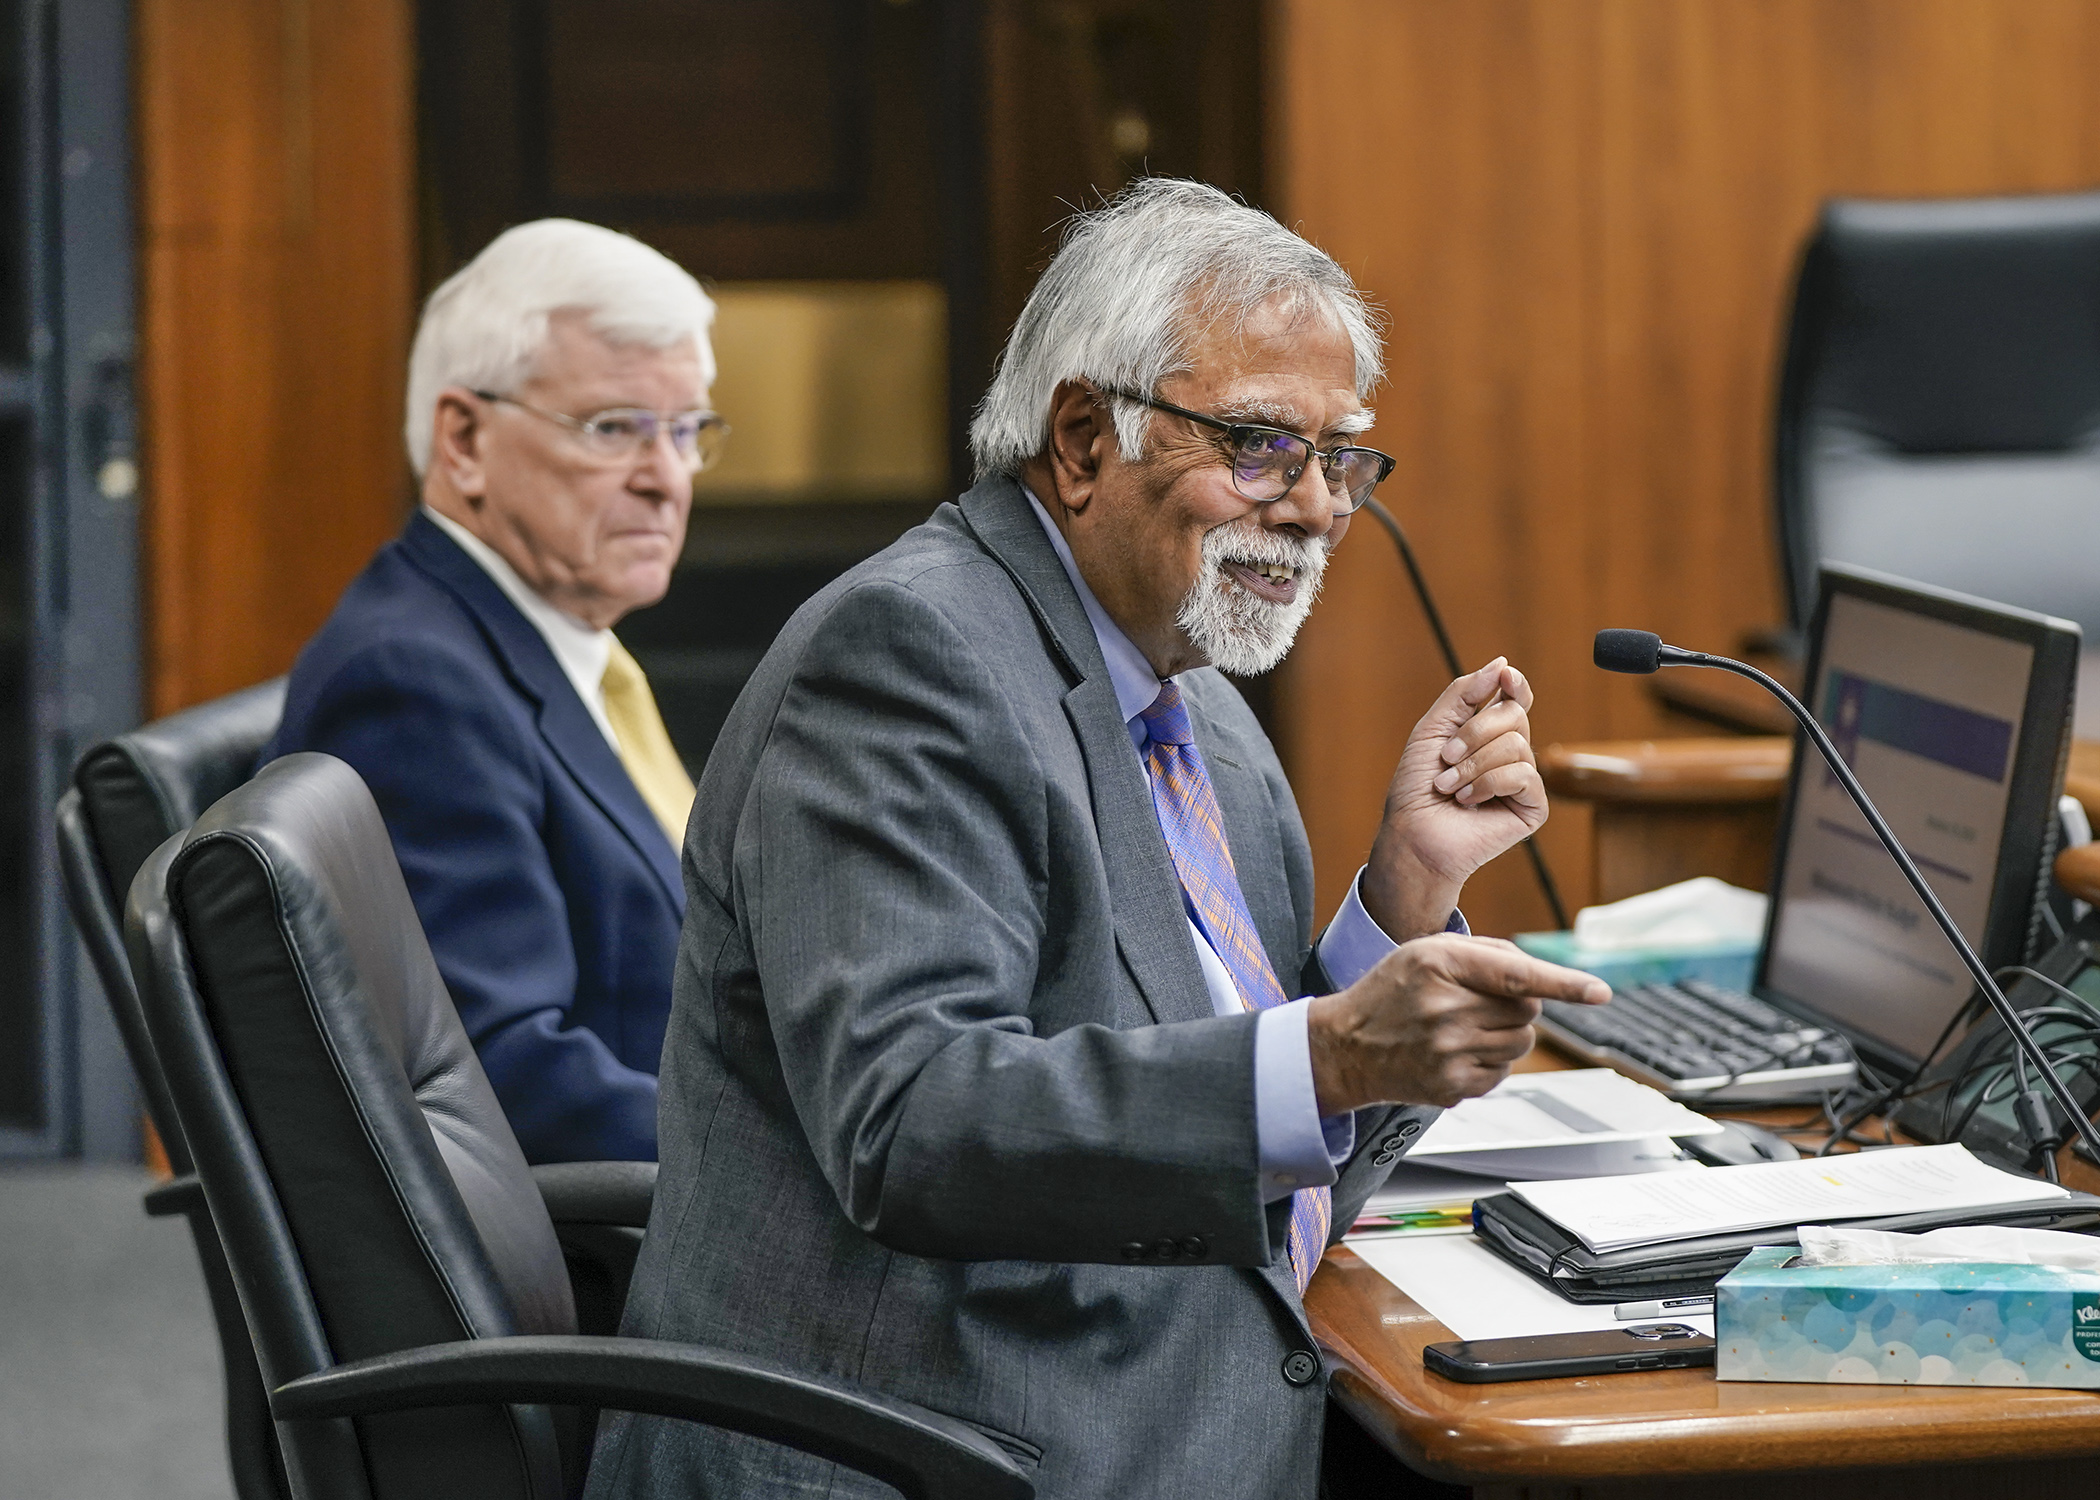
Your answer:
<point x="1456" y="668"/>
<point x="1639" y="652"/>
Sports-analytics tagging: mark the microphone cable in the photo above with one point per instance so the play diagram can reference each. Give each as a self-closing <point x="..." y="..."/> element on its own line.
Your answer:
<point x="1456" y="668"/>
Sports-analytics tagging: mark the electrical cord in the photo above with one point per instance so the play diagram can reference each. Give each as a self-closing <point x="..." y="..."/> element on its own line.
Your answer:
<point x="1881" y="1096"/>
<point x="1547" y="886"/>
<point x="1997" y="1070"/>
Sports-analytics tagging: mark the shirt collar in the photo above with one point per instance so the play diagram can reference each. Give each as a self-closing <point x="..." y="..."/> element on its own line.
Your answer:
<point x="1136" y="684"/>
<point x="580" y="650"/>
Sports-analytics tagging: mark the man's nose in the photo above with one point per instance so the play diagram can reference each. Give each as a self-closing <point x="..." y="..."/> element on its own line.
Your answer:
<point x="663" y="473"/>
<point x="1307" y="505"/>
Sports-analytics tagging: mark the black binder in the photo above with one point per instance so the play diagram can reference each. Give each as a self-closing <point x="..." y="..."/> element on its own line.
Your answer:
<point x="1529" y="1240"/>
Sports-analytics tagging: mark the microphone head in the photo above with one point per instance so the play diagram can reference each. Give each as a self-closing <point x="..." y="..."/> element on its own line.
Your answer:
<point x="1634" y="651"/>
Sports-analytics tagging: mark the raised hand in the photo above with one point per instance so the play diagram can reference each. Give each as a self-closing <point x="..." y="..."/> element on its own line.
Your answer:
<point x="1466" y="789"/>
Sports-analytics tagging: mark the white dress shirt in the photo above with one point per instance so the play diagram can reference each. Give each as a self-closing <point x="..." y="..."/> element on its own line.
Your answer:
<point x="1298" y="1147"/>
<point x="579" y="649"/>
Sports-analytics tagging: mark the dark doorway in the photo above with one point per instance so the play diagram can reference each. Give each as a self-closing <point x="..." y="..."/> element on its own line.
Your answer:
<point x="69" y="624"/>
<point x="869" y="186"/>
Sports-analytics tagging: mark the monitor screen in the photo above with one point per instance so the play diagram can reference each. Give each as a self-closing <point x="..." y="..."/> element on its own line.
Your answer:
<point x="1928" y="714"/>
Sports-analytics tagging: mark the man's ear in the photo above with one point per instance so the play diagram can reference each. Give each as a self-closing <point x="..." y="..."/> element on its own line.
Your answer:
<point x="1081" y="435"/>
<point x="456" y="438"/>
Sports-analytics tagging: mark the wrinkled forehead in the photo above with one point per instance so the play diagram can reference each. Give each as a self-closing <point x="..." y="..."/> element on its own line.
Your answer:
<point x="578" y="353"/>
<point x="1286" y="362"/>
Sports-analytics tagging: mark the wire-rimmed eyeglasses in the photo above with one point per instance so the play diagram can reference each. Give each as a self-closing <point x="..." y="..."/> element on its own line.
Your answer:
<point x="621" y="432"/>
<point x="1267" y="461"/>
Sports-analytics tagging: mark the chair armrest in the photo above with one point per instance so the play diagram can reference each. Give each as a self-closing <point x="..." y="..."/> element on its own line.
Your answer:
<point x="921" y="1453"/>
<point x="598" y="1192"/>
<point x="2078" y="871"/>
<point x="1688" y="772"/>
<point x="177" y="1197"/>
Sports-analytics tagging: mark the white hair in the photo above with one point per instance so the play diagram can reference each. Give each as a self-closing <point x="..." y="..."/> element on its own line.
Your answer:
<point x="1132" y="284"/>
<point x="485" y="327"/>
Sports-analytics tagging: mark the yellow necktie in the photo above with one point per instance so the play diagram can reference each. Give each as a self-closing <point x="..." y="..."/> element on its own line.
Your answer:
<point x="645" y="745"/>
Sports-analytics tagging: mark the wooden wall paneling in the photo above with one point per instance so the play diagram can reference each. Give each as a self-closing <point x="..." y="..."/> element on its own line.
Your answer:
<point x="1456" y="189"/>
<point x="1583" y="216"/>
<point x="275" y="156"/>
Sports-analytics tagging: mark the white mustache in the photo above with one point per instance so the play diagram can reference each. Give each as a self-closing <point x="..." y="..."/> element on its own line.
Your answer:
<point x="1253" y="546"/>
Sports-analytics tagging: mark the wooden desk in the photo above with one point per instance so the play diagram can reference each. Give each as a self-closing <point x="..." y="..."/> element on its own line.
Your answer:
<point x="1683" y="1433"/>
<point x="1666" y="810"/>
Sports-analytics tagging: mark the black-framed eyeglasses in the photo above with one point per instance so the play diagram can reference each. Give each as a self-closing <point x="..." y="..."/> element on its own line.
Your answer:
<point x="619" y="433"/>
<point x="1267" y="461"/>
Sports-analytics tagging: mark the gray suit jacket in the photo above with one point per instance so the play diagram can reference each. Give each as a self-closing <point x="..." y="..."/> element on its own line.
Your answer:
<point x="945" y="1107"/>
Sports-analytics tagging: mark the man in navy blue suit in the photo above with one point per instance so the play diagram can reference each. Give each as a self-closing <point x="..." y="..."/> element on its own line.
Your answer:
<point x="557" y="413"/>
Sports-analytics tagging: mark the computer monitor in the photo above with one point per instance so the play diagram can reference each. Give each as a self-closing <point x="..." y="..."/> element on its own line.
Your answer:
<point x="1955" y="714"/>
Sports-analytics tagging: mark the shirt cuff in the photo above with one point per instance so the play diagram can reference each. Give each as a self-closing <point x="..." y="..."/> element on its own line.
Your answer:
<point x="1353" y="942"/>
<point x="1298" y="1148"/>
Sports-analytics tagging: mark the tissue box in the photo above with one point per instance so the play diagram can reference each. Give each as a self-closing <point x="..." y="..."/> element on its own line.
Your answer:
<point x="1726" y="964"/>
<point x="1907" y="1325"/>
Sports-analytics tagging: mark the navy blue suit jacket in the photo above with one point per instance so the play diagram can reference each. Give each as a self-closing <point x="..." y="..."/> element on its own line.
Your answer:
<point x="548" y="891"/>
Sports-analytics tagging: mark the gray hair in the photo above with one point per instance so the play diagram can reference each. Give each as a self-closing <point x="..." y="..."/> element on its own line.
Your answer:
<point x="1132" y="284"/>
<point x="485" y="327"/>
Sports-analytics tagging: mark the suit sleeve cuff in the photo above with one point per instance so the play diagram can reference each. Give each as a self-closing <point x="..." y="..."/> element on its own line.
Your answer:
<point x="1298" y="1148"/>
<point x="1353" y="942"/>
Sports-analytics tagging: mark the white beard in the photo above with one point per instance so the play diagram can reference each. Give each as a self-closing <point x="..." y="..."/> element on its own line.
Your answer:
<point x="1239" y="631"/>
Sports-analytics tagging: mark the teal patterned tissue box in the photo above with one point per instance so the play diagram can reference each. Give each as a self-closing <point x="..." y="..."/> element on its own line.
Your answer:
<point x="1907" y="1325"/>
<point x="1729" y="965"/>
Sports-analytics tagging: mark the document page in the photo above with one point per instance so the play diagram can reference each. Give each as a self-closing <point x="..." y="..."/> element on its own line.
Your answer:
<point x="1574" y="1107"/>
<point x="1478" y="1295"/>
<point x="1611" y="1213"/>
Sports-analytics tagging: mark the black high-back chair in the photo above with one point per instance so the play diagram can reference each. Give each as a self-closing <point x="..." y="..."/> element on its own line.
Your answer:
<point x="1939" y="410"/>
<point x="398" y="1270"/>
<point x="129" y="795"/>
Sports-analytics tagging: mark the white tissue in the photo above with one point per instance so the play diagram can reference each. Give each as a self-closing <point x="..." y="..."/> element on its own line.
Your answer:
<point x="1969" y="1244"/>
<point x="1698" y="913"/>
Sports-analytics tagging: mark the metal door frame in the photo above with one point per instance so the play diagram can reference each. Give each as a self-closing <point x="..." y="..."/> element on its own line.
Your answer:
<point x="82" y="544"/>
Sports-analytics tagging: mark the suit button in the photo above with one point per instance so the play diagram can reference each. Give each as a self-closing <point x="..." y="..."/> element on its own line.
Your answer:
<point x="1385" y="1158"/>
<point x="1166" y="1249"/>
<point x="1410" y="1130"/>
<point x="1300" y="1368"/>
<point x="1133" y="1251"/>
<point x="1392" y="1143"/>
<point x="1195" y="1247"/>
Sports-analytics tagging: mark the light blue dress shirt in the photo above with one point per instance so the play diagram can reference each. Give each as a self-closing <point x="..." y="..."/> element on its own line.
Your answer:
<point x="1298" y="1147"/>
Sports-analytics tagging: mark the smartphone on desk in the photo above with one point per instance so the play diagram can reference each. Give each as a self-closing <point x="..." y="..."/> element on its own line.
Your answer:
<point x="1651" y="1346"/>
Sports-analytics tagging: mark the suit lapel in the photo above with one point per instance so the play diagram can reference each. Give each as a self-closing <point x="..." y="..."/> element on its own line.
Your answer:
<point x="1249" y="813"/>
<point x="563" y="722"/>
<point x="1152" y="931"/>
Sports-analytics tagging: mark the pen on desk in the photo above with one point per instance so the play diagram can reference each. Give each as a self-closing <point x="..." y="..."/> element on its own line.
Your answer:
<point x="1668" y="1307"/>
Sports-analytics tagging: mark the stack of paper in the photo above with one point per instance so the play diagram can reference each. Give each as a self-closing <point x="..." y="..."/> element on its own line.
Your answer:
<point x="1580" y="1123"/>
<point x="1585" y="1122"/>
<point x="1621" y="1213"/>
<point x="1424" y="1200"/>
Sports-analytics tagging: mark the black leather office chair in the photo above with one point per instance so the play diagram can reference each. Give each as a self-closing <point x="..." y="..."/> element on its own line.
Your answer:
<point x="1939" y="410"/>
<point x="129" y="795"/>
<point x="398" y="1270"/>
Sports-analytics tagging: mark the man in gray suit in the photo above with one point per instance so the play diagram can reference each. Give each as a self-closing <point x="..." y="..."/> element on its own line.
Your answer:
<point x="985" y="1084"/>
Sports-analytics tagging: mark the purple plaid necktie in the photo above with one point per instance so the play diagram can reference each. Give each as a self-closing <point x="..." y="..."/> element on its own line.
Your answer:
<point x="1189" y="817"/>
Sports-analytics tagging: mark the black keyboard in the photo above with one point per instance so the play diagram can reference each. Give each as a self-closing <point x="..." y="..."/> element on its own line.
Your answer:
<point x="1697" y="1040"/>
